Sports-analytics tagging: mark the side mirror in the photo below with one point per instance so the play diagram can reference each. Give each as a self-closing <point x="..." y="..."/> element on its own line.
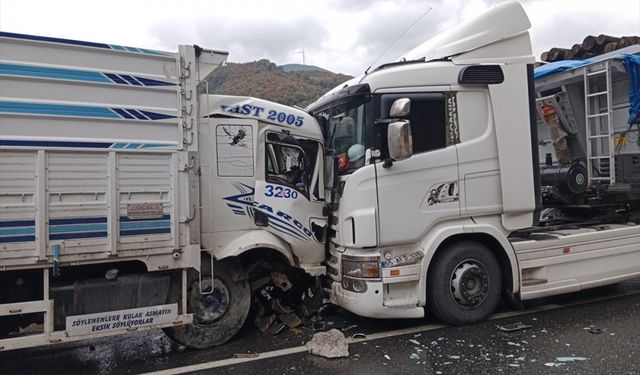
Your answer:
<point x="399" y="140"/>
<point x="329" y="172"/>
<point x="400" y="107"/>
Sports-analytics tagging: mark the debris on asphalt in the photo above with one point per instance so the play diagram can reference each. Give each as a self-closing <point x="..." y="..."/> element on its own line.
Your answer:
<point x="512" y="327"/>
<point x="593" y="329"/>
<point x="330" y="344"/>
<point x="279" y="308"/>
<point x="387" y="357"/>
<point x="290" y="319"/>
<point x="266" y="322"/>
<point x="570" y="359"/>
<point x="276" y="328"/>
<point x="296" y="331"/>
<point x="415" y="342"/>
<point x="318" y="325"/>
<point x="553" y="364"/>
<point x="561" y="361"/>
<point x="350" y="327"/>
<point x="358" y="336"/>
<point x="313" y="301"/>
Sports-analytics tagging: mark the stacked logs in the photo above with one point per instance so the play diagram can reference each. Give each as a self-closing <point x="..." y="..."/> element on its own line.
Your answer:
<point x="591" y="46"/>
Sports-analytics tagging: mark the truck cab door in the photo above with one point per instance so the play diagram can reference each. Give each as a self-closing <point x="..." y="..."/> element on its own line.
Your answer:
<point x="416" y="193"/>
<point x="289" y="201"/>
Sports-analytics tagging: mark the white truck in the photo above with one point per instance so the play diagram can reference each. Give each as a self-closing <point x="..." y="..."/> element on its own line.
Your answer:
<point x="121" y="178"/>
<point x="442" y="203"/>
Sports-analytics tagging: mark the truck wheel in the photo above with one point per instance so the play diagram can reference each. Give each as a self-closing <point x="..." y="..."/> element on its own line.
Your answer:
<point x="464" y="283"/>
<point x="217" y="316"/>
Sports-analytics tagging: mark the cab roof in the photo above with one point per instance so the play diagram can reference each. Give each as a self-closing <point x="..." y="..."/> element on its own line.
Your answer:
<point x="265" y="111"/>
<point x="502" y="22"/>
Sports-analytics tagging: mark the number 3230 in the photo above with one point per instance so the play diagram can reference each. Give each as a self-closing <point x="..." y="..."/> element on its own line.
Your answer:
<point x="280" y="192"/>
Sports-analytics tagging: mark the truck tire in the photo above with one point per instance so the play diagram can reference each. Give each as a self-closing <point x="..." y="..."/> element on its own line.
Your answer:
<point x="464" y="283"/>
<point x="217" y="316"/>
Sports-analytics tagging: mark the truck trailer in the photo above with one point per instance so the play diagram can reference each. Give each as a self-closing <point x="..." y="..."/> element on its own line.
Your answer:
<point x="447" y="198"/>
<point x="132" y="199"/>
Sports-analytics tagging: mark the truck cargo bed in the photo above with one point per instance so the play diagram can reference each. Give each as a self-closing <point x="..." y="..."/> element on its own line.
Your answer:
<point x="89" y="137"/>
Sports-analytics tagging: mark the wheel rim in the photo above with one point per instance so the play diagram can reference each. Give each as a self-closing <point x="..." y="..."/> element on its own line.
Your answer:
<point x="469" y="283"/>
<point x="209" y="308"/>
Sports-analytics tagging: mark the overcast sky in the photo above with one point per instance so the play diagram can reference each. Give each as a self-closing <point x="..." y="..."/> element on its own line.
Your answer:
<point x="340" y="35"/>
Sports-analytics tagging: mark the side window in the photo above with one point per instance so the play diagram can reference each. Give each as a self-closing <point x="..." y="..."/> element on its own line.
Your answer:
<point x="428" y="119"/>
<point x="291" y="161"/>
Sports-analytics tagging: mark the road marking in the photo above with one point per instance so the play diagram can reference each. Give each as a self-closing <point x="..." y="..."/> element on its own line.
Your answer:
<point x="228" y="361"/>
<point x="377" y="336"/>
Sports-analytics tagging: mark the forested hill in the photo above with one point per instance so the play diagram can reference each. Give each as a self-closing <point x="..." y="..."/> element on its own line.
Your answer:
<point x="264" y="79"/>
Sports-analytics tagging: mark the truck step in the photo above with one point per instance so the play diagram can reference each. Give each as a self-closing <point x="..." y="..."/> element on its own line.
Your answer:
<point x="401" y="302"/>
<point x="532" y="281"/>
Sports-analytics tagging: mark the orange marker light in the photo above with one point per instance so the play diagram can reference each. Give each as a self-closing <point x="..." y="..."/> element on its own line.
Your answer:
<point x="395" y="272"/>
<point x="566" y="250"/>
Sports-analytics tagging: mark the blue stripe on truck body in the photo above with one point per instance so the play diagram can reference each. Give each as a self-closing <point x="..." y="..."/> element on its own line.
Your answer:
<point x="81" y="227"/>
<point x="74" y="144"/>
<point x="81" y="111"/>
<point x="79" y="75"/>
<point x="82" y="43"/>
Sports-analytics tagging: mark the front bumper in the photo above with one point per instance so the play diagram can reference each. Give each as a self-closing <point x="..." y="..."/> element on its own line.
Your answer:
<point x="371" y="303"/>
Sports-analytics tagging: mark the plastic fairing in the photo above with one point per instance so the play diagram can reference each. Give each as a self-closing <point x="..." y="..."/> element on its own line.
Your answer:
<point x="208" y="61"/>
<point x="504" y="21"/>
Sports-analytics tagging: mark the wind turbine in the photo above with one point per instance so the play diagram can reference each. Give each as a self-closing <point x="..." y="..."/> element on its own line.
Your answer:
<point x="303" y="57"/>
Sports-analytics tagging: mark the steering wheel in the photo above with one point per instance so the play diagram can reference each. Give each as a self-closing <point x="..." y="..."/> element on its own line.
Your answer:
<point x="294" y="176"/>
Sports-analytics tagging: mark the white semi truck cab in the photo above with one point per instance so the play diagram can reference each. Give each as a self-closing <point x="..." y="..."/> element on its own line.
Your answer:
<point x="437" y="198"/>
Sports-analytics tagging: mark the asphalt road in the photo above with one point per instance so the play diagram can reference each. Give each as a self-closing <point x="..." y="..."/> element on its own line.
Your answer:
<point x="557" y="342"/>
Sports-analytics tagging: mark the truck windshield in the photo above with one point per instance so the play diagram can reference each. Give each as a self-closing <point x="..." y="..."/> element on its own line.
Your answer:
<point x="345" y="130"/>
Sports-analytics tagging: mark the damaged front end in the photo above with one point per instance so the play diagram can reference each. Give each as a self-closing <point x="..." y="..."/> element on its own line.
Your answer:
<point x="284" y="297"/>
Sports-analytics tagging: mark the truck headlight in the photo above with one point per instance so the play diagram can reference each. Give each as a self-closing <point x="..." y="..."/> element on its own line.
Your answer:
<point x="354" y="285"/>
<point x="366" y="268"/>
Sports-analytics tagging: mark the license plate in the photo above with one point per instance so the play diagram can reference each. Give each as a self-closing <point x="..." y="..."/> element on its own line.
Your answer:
<point x="404" y="259"/>
<point x="88" y="324"/>
<point x="144" y="211"/>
